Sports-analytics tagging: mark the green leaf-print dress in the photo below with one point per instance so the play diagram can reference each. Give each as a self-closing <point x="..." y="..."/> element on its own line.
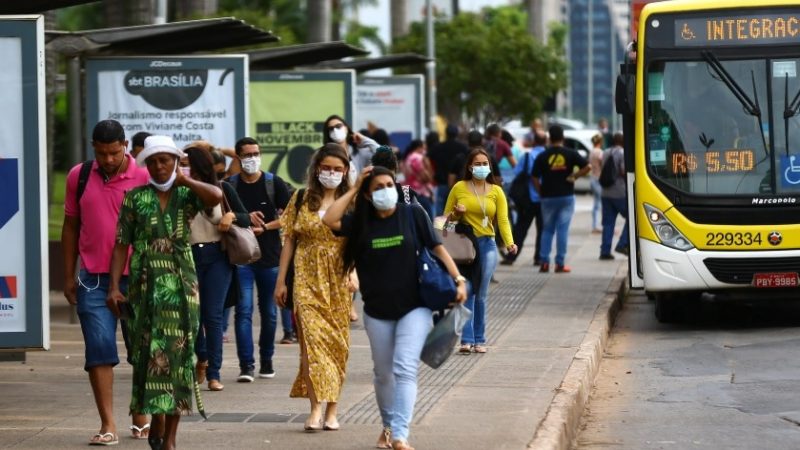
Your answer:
<point x="163" y="293"/>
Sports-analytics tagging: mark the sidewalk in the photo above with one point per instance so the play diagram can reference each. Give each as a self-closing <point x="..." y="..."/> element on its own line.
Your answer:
<point x="536" y="325"/>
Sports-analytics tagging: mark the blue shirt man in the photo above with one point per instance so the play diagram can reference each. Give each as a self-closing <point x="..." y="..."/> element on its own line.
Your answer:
<point x="526" y="214"/>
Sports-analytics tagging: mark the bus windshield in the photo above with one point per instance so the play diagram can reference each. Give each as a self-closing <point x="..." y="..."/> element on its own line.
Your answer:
<point x="708" y="128"/>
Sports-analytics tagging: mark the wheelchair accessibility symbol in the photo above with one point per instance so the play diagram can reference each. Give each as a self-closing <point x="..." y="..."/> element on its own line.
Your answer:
<point x="791" y="176"/>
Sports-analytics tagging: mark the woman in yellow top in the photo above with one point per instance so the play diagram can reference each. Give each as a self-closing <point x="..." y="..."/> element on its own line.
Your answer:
<point x="478" y="200"/>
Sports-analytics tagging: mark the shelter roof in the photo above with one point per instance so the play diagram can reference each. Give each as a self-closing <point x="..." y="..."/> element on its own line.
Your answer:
<point x="379" y="62"/>
<point x="280" y="58"/>
<point x="37" y="6"/>
<point x="162" y="39"/>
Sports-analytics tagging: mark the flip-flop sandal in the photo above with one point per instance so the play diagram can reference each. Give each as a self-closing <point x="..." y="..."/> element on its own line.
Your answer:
<point x="104" y="439"/>
<point x="479" y="349"/>
<point x="136" y="432"/>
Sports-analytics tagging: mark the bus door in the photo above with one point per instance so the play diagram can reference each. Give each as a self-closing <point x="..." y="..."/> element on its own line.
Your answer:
<point x="625" y="100"/>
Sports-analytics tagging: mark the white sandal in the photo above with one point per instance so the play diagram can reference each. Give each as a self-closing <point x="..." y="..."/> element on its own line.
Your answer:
<point x="136" y="432"/>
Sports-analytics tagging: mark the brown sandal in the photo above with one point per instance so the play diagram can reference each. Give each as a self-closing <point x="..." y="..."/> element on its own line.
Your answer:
<point x="385" y="439"/>
<point x="401" y="444"/>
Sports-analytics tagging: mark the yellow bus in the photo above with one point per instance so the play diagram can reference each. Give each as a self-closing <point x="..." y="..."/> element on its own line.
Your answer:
<point x="710" y="99"/>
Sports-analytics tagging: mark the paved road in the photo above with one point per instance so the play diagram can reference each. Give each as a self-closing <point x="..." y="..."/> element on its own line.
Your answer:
<point x="727" y="378"/>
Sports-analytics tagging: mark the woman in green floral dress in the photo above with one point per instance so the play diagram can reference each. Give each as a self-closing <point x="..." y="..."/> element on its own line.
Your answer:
<point x="163" y="297"/>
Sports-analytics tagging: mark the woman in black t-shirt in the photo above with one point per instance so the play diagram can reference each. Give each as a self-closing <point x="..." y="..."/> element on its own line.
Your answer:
<point x="380" y="245"/>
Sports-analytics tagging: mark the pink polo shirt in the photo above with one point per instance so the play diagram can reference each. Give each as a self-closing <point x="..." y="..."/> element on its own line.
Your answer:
<point x="98" y="211"/>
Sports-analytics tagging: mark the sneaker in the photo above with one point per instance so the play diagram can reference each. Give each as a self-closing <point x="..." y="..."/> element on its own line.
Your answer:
<point x="287" y="338"/>
<point x="544" y="267"/>
<point x="562" y="269"/>
<point x="623" y="250"/>
<point x="246" y="376"/>
<point x="607" y="257"/>
<point x="266" y="370"/>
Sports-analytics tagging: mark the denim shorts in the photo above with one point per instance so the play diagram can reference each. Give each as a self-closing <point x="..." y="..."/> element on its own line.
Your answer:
<point x="98" y="324"/>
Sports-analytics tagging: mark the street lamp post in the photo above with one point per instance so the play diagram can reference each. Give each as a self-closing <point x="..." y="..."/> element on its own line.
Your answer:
<point x="431" y="66"/>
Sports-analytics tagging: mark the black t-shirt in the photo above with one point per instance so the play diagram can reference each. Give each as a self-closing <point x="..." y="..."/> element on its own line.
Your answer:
<point x="553" y="166"/>
<point x="387" y="267"/>
<point x="254" y="197"/>
<point x="442" y="156"/>
<point x="457" y="166"/>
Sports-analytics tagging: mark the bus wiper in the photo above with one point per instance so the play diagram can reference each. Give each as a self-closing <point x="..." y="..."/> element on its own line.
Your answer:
<point x="749" y="105"/>
<point x="790" y="111"/>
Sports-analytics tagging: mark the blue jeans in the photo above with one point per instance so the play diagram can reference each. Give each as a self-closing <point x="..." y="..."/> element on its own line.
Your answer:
<point x="98" y="324"/>
<point x="597" y="190"/>
<point x="265" y="278"/>
<point x="396" y="347"/>
<point x="612" y="207"/>
<point x="442" y="192"/>
<point x="475" y="329"/>
<point x="214" y="274"/>
<point x="556" y="216"/>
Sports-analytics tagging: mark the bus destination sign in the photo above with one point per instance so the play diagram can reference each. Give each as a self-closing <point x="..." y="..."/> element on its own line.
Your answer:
<point x="746" y="29"/>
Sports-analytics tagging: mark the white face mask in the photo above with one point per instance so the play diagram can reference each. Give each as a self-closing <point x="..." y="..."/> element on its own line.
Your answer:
<point x="167" y="185"/>
<point x="330" y="179"/>
<point x="338" y="134"/>
<point x="251" y="165"/>
<point x="384" y="199"/>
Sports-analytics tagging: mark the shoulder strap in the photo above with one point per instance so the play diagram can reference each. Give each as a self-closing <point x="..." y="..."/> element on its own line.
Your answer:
<point x="269" y="185"/>
<point x="409" y="211"/>
<point x="234" y="180"/>
<point x="83" y="179"/>
<point x="406" y="194"/>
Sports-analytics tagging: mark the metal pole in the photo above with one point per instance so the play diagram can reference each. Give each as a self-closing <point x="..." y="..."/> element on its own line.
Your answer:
<point x="614" y="65"/>
<point x="161" y="12"/>
<point x="431" y="66"/>
<point x="74" y="104"/>
<point x="590" y="69"/>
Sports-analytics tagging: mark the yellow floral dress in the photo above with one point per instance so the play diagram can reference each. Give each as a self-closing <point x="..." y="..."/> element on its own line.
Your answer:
<point x="321" y="302"/>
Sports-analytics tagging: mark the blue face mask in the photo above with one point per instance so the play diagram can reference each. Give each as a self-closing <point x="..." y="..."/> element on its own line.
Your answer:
<point x="481" y="172"/>
<point x="384" y="199"/>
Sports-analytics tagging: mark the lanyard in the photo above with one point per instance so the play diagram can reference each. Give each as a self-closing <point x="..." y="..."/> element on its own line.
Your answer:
<point x="485" y="222"/>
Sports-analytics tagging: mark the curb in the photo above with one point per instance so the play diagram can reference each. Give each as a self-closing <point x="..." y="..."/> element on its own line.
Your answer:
<point x="560" y="425"/>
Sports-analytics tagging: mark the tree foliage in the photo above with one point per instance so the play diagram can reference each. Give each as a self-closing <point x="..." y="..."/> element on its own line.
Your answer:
<point x="488" y="67"/>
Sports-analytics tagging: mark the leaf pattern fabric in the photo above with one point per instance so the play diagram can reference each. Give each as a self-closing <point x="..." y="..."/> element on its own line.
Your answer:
<point x="321" y="302"/>
<point x="164" y="296"/>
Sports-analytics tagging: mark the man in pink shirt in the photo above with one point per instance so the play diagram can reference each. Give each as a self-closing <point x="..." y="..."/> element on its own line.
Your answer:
<point x="91" y="208"/>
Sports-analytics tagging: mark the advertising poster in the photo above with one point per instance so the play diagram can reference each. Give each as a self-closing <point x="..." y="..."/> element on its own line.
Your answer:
<point x="288" y="111"/>
<point x="24" y="293"/>
<point x="186" y="98"/>
<point x="392" y="103"/>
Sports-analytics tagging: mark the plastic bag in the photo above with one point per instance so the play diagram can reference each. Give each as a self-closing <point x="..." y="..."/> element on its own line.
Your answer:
<point x="442" y="339"/>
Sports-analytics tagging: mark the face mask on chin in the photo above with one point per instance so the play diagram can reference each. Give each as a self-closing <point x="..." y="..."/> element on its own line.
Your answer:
<point x="167" y="185"/>
<point x="384" y="199"/>
<point x="338" y="135"/>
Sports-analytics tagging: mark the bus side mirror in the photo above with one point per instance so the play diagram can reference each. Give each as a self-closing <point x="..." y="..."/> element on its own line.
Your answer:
<point x="625" y="91"/>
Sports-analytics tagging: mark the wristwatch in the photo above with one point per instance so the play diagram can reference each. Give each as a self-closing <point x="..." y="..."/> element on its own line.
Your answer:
<point x="459" y="279"/>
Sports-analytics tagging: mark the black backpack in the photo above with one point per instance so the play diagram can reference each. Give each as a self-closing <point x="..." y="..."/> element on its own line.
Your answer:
<point x="609" y="173"/>
<point x="519" y="190"/>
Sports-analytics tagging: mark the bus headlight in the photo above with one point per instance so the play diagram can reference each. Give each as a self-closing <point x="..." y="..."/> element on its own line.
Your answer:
<point x="666" y="231"/>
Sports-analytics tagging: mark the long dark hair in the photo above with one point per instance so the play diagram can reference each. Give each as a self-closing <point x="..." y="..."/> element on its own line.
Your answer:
<point x="326" y="133"/>
<point x="202" y="167"/>
<point x="492" y="178"/>
<point x="357" y="241"/>
<point x="315" y="190"/>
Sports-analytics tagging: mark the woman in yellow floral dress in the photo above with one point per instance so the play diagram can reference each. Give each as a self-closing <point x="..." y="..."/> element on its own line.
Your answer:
<point x="321" y="293"/>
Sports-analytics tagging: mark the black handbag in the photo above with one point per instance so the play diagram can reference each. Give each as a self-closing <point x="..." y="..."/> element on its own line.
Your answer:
<point x="437" y="288"/>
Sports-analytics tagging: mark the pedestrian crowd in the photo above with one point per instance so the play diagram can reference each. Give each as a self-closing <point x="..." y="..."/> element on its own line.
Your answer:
<point x="156" y="229"/>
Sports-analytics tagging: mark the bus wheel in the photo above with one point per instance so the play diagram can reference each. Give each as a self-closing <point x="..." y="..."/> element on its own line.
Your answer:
<point x="670" y="308"/>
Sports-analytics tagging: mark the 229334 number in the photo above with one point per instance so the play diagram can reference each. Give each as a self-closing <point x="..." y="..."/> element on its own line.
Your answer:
<point x="723" y="239"/>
